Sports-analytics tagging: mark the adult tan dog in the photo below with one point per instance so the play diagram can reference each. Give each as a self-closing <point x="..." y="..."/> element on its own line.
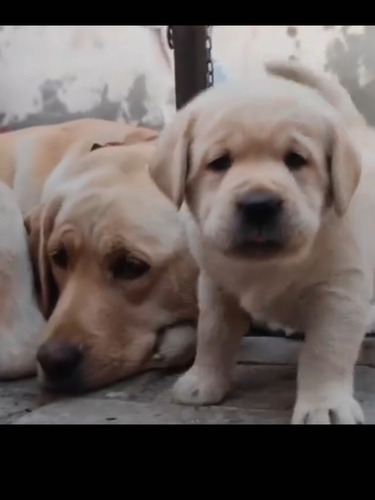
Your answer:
<point x="280" y="221"/>
<point x="116" y="280"/>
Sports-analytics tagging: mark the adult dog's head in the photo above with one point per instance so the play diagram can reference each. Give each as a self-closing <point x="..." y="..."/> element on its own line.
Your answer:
<point x="114" y="272"/>
<point x="260" y="166"/>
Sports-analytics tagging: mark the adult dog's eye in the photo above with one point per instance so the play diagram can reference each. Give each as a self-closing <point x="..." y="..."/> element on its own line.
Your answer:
<point x="221" y="164"/>
<point x="294" y="161"/>
<point x="128" y="268"/>
<point x="60" y="258"/>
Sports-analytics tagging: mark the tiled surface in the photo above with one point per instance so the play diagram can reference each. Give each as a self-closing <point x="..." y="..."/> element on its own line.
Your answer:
<point x="264" y="394"/>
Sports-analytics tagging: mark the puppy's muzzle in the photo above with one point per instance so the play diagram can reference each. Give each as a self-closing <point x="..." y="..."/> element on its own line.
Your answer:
<point x="259" y="218"/>
<point x="259" y="212"/>
<point x="60" y="363"/>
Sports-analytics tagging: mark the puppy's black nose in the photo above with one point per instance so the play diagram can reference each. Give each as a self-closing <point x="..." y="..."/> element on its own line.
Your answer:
<point x="58" y="359"/>
<point x="259" y="209"/>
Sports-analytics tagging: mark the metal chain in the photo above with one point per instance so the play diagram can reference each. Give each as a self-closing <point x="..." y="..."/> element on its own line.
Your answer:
<point x="210" y="65"/>
<point x="170" y="37"/>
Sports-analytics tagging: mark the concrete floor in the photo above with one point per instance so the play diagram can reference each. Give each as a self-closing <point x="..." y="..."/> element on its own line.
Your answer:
<point x="264" y="394"/>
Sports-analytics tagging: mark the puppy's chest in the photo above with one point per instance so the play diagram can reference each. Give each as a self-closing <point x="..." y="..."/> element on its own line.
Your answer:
<point x="267" y="305"/>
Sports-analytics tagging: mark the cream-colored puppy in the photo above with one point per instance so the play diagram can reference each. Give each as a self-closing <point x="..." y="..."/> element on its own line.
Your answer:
<point x="280" y="221"/>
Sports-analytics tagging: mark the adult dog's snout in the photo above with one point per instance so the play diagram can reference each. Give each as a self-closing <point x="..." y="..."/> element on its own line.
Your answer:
<point x="259" y="211"/>
<point x="59" y="361"/>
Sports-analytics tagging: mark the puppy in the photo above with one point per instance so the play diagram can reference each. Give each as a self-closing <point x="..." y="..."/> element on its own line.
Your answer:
<point x="279" y="219"/>
<point x="21" y="322"/>
<point x="115" y="278"/>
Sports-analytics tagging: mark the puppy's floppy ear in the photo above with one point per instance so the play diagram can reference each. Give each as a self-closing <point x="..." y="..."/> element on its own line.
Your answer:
<point x="344" y="165"/>
<point x="39" y="225"/>
<point x="170" y="164"/>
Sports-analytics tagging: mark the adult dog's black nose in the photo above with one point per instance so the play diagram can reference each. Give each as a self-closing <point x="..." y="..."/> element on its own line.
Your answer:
<point x="259" y="209"/>
<point x="58" y="360"/>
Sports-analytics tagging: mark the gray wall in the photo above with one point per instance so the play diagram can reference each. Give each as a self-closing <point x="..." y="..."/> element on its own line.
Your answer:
<point x="49" y="74"/>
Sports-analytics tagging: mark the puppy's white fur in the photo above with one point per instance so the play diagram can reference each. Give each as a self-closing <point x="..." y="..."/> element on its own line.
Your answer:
<point x="325" y="284"/>
<point x="21" y="323"/>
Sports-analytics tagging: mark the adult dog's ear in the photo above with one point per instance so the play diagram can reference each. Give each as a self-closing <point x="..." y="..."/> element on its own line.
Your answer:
<point x="170" y="165"/>
<point x="344" y="165"/>
<point x="134" y="135"/>
<point x="95" y="146"/>
<point x="39" y="226"/>
<point x="140" y="134"/>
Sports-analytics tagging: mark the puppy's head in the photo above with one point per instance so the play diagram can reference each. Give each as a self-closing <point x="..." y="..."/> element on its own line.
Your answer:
<point x="259" y="167"/>
<point x="113" y="272"/>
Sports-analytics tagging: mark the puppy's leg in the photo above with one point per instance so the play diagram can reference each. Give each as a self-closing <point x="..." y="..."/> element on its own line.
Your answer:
<point x="220" y="328"/>
<point x="326" y="366"/>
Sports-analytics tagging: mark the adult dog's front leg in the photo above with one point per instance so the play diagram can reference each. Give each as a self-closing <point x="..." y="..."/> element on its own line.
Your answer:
<point x="221" y="325"/>
<point x="327" y="361"/>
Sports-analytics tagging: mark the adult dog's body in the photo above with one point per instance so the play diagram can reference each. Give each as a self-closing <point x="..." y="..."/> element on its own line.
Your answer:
<point x="116" y="281"/>
<point x="280" y="222"/>
<point x="28" y="156"/>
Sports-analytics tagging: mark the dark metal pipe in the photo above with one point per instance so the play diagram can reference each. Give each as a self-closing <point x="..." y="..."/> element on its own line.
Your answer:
<point x="190" y="57"/>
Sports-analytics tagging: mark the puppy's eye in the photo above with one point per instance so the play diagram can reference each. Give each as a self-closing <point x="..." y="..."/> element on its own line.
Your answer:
<point x="128" y="268"/>
<point x="294" y="161"/>
<point x="60" y="258"/>
<point x="221" y="164"/>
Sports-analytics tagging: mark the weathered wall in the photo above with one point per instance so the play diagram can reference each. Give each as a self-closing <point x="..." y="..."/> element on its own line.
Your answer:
<point x="54" y="73"/>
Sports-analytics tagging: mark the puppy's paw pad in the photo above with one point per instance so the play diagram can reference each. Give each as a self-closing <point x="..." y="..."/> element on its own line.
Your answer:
<point x="198" y="388"/>
<point x="344" y="410"/>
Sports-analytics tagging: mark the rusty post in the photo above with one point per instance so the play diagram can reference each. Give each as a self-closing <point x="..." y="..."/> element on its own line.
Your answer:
<point x="190" y="57"/>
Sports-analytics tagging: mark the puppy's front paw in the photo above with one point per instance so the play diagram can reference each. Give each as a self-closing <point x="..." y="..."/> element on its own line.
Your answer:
<point x="342" y="409"/>
<point x="200" y="387"/>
